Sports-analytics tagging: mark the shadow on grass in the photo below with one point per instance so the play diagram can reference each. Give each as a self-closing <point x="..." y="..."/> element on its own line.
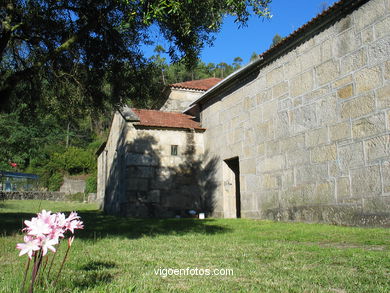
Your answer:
<point x="99" y="225"/>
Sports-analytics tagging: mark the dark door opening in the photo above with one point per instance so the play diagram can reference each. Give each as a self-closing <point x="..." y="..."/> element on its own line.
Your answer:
<point x="234" y="165"/>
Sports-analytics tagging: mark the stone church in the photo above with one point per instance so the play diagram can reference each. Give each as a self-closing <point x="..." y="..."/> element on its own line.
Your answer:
<point x="301" y="134"/>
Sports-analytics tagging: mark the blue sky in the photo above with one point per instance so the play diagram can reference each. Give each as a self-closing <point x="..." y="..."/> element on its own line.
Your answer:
<point x="231" y="41"/>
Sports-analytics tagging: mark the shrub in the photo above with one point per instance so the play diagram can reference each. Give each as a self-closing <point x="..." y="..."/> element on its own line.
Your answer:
<point x="55" y="181"/>
<point x="91" y="183"/>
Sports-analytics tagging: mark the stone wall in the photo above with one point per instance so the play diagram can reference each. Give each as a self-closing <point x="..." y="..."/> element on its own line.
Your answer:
<point x="179" y="99"/>
<point x="312" y="129"/>
<point x="138" y="175"/>
<point x="41" y="195"/>
<point x="72" y="186"/>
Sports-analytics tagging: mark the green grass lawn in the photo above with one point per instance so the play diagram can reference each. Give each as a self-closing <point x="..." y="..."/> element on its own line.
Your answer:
<point x="117" y="254"/>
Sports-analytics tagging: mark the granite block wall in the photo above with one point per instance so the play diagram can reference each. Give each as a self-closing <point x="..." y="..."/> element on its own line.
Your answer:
<point x="312" y="129"/>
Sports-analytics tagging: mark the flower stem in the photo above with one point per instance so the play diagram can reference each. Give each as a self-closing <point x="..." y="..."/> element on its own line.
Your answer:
<point x="25" y="275"/>
<point x="62" y="265"/>
<point x="37" y="264"/>
<point x="51" y="263"/>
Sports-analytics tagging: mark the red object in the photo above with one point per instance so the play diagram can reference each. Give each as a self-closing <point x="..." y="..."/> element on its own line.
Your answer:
<point x="14" y="165"/>
<point x="166" y="119"/>
<point x="201" y="84"/>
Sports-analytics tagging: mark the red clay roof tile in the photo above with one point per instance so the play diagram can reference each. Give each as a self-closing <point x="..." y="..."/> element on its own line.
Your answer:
<point x="158" y="118"/>
<point x="201" y="84"/>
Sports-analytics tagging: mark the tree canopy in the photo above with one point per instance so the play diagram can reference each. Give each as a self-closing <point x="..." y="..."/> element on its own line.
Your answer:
<point x="276" y="39"/>
<point x="82" y="53"/>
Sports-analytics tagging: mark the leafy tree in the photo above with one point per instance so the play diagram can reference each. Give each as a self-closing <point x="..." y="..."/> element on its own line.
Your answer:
<point x="237" y="62"/>
<point x="254" y="57"/>
<point x="276" y="39"/>
<point x="88" y="52"/>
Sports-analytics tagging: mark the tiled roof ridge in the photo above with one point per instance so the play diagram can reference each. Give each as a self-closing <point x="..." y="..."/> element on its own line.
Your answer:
<point x="198" y="84"/>
<point x="157" y="118"/>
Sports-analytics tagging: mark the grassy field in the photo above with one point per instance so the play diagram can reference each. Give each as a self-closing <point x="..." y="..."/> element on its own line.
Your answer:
<point x="121" y="255"/>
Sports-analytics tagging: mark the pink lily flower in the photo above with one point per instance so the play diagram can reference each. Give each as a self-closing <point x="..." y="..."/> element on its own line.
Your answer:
<point x="37" y="227"/>
<point x="29" y="246"/>
<point x="47" y="243"/>
<point x="46" y="217"/>
<point x="75" y="224"/>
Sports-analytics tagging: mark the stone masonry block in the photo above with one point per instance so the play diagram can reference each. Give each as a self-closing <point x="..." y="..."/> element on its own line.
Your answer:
<point x="301" y="84"/>
<point x="376" y="205"/>
<point x="270" y="109"/>
<point x="351" y="155"/>
<point x="366" y="181"/>
<point x="141" y="172"/>
<point x="137" y="184"/>
<point x="386" y="176"/>
<point x="326" y="50"/>
<point x="317" y="137"/>
<point x="284" y="103"/>
<point x="304" y="118"/>
<point x="367" y="35"/>
<point x="280" y="89"/>
<point x="379" y="51"/>
<point x="263" y="131"/>
<point x="357" y="107"/>
<point x="310" y="58"/>
<point x="343" y="188"/>
<point x="292" y="143"/>
<point x="369" y="126"/>
<point x="269" y="200"/>
<point x="346" y="42"/>
<point x="345" y="92"/>
<point x="270" y="182"/>
<point x="256" y="115"/>
<point x="252" y="182"/>
<point x="382" y="28"/>
<point x="292" y="68"/>
<point x="273" y="148"/>
<point x="383" y="97"/>
<point x="283" y="126"/>
<point x="317" y="93"/>
<point x="274" y="76"/>
<point x="311" y="173"/>
<point x="368" y="79"/>
<point x="298" y="157"/>
<point x="324" y="193"/>
<point x="287" y="178"/>
<point x="344" y="24"/>
<point x="271" y="164"/>
<point x="354" y="61"/>
<point x="378" y="147"/>
<point x="342" y="81"/>
<point x="248" y="166"/>
<point x="264" y="96"/>
<point x="323" y="153"/>
<point x="369" y="13"/>
<point x="340" y="131"/>
<point x="328" y="110"/>
<point x="327" y="71"/>
<point x="260" y="149"/>
<point x="133" y="159"/>
<point x="387" y="70"/>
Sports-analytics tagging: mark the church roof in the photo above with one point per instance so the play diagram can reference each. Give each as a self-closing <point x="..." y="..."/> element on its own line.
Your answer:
<point x="201" y="84"/>
<point x="156" y="118"/>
